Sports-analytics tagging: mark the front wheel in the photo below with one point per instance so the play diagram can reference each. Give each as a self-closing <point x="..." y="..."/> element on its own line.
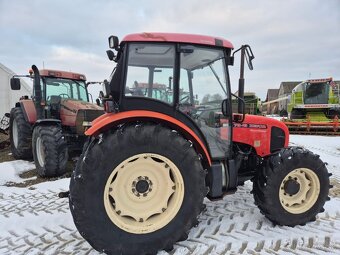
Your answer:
<point x="49" y="151"/>
<point x="137" y="190"/>
<point x="292" y="187"/>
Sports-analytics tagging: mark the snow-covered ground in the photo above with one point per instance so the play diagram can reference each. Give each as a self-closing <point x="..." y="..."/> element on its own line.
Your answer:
<point x="34" y="220"/>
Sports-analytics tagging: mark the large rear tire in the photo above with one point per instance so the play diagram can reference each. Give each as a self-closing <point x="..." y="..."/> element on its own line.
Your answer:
<point x="137" y="189"/>
<point x="292" y="187"/>
<point x="49" y="151"/>
<point x="20" y="135"/>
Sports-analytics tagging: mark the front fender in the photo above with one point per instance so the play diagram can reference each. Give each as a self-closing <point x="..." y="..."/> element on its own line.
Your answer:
<point x="109" y="120"/>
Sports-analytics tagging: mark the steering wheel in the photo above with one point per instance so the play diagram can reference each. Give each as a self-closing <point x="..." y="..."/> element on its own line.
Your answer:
<point x="63" y="94"/>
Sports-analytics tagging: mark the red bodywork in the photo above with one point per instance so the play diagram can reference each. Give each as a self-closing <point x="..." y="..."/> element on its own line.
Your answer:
<point x="29" y="110"/>
<point x="256" y="132"/>
<point x="68" y="110"/>
<point x="182" y="38"/>
<point x="62" y="74"/>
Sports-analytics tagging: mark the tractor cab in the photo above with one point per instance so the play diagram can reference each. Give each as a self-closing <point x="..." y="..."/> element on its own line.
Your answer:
<point x="178" y="75"/>
<point x="59" y="87"/>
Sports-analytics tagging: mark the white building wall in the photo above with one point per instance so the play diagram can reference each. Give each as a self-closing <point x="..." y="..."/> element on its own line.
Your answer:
<point x="9" y="97"/>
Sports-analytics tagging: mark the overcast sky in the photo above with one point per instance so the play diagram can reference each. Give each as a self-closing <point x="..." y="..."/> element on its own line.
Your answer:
<point x="291" y="39"/>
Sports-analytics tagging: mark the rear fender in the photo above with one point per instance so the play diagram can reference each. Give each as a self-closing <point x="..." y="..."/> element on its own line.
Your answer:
<point x="42" y="122"/>
<point x="109" y="120"/>
<point x="28" y="109"/>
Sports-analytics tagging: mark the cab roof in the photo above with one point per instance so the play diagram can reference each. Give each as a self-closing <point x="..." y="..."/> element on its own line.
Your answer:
<point x="181" y="38"/>
<point x="62" y="74"/>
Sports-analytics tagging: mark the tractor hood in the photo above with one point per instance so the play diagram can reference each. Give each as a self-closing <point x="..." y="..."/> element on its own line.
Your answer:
<point x="75" y="105"/>
<point x="79" y="114"/>
<point x="264" y="134"/>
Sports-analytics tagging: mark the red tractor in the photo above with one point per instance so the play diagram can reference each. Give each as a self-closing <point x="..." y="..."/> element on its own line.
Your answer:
<point x="51" y="124"/>
<point x="140" y="182"/>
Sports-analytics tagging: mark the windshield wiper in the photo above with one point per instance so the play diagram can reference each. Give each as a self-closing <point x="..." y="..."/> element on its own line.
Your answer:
<point x="218" y="78"/>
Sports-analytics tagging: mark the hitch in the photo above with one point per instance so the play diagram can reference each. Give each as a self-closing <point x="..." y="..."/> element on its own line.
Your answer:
<point x="64" y="194"/>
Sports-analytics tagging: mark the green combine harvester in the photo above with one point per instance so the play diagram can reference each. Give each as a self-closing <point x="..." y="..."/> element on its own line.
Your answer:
<point x="252" y="104"/>
<point x="314" y="108"/>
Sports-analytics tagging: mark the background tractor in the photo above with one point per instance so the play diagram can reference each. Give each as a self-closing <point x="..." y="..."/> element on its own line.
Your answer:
<point x="51" y="124"/>
<point x="149" y="161"/>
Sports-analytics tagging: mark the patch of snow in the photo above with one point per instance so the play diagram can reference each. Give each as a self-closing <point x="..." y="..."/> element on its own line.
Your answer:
<point x="9" y="171"/>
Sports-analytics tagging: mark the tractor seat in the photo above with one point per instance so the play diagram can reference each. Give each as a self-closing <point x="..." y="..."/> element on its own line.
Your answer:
<point x="55" y="103"/>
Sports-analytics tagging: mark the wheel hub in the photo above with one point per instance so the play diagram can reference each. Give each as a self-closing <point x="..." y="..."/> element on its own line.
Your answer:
<point x="291" y="187"/>
<point x="299" y="190"/>
<point x="144" y="193"/>
<point x="142" y="186"/>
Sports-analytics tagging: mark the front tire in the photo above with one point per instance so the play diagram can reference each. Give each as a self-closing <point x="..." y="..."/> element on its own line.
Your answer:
<point x="137" y="190"/>
<point x="292" y="187"/>
<point x="49" y="151"/>
<point x="20" y="135"/>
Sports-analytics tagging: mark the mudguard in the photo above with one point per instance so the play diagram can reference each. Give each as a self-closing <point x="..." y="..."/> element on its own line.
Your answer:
<point x="28" y="108"/>
<point x="108" y="120"/>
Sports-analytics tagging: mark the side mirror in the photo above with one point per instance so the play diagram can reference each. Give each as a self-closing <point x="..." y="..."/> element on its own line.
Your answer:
<point x="226" y="107"/>
<point x="113" y="42"/>
<point x="110" y="54"/>
<point x="15" y="83"/>
<point x="249" y="57"/>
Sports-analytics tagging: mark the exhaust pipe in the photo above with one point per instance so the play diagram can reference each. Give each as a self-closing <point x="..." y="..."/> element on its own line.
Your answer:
<point x="37" y="92"/>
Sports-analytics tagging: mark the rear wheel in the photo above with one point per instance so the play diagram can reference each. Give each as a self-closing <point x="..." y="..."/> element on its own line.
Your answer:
<point x="137" y="190"/>
<point x="20" y="135"/>
<point x="49" y="151"/>
<point x="292" y="187"/>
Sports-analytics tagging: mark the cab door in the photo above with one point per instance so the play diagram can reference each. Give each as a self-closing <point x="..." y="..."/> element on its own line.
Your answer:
<point x="204" y="84"/>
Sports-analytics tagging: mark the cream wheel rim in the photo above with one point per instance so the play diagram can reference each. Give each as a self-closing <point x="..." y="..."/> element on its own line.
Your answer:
<point x="299" y="190"/>
<point x="144" y="193"/>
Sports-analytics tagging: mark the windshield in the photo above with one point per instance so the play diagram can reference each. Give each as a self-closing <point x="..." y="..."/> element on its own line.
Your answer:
<point x="150" y="71"/>
<point x="65" y="88"/>
<point x="203" y="79"/>
<point x="316" y="93"/>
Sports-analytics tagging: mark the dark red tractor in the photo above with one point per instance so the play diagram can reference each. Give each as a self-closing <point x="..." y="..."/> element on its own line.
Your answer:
<point x="51" y="125"/>
<point x="150" y="160"/>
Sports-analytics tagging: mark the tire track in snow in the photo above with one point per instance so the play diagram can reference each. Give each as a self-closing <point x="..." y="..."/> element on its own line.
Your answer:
<point x="31" y="203"/>
<point x="233" y="225"/>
